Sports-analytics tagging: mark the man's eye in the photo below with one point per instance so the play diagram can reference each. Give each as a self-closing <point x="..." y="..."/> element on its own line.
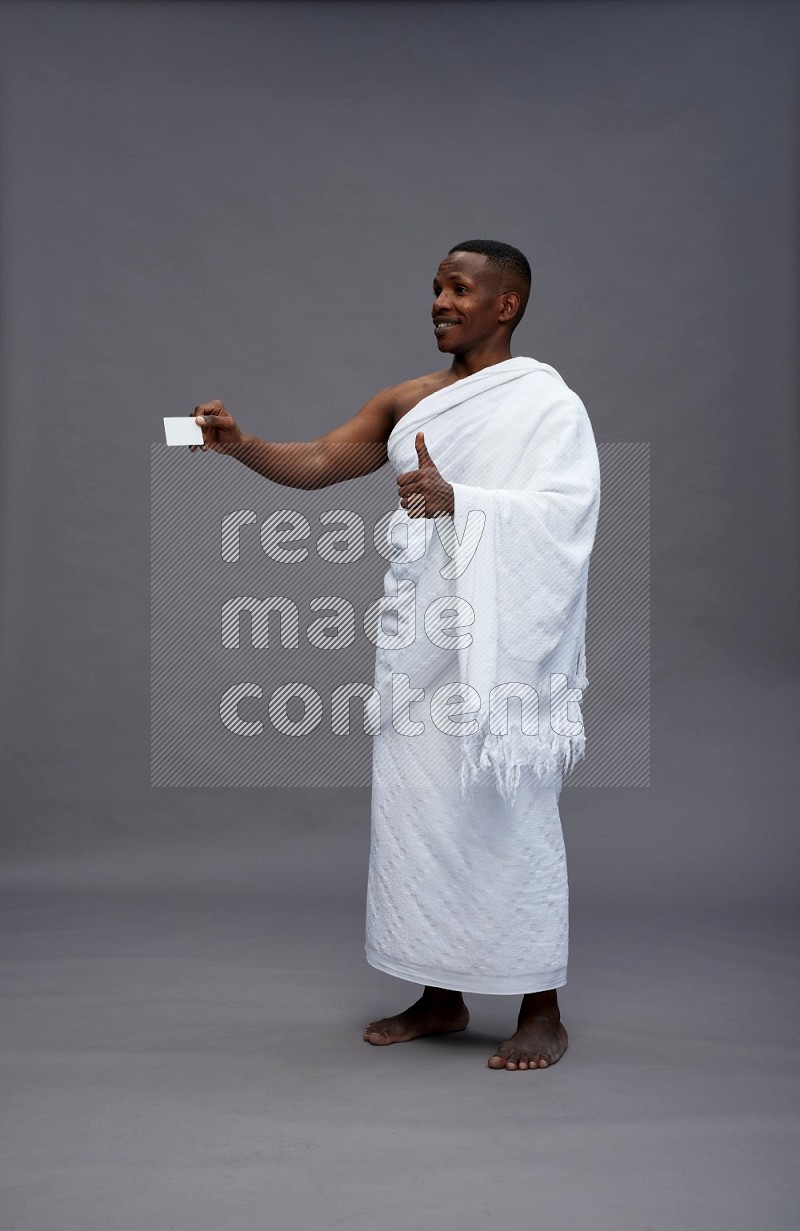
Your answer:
<point x="461" y="288"/>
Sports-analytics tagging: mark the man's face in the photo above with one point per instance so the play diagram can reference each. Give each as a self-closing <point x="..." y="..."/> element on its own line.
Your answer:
<point x="468" y="300"/>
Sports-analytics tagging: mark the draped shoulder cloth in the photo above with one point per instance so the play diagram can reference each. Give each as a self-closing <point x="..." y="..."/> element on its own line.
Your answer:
<point x="517" y="445"/>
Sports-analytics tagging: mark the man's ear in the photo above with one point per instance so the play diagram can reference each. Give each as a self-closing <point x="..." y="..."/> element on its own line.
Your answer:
<point x="510" y="306"/>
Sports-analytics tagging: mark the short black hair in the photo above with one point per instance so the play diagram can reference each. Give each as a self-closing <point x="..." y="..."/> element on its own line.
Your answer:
<point x="501" y="256"/>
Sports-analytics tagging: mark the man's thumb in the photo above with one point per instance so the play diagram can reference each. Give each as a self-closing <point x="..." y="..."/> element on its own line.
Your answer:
<point x="422" y="450"/>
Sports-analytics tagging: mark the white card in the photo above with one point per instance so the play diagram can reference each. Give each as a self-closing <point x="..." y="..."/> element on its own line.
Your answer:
<point x="183" y="431"/>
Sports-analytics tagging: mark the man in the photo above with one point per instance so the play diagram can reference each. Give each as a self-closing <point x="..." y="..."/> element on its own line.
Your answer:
<point x="470" y="894"/>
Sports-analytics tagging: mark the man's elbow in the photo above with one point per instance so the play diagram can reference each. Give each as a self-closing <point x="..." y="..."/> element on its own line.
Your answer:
<point x="337" y="461"/>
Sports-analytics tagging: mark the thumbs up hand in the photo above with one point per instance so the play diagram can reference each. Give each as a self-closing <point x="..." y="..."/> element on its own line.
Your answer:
<point x="423" y="492"/>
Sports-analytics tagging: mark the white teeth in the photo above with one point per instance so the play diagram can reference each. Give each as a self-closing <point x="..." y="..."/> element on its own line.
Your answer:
<point x="445" y="324"/>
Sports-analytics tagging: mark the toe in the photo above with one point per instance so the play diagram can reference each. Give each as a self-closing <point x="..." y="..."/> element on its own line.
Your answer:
<point x="523" y="1064"/>
<point x="497" y="1061"/>
<point x="542" y="1062"/>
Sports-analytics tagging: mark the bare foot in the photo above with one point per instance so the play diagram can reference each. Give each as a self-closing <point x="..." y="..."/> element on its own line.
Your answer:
<point x="438" y="1011"/>
<point x="539" y="1040"/>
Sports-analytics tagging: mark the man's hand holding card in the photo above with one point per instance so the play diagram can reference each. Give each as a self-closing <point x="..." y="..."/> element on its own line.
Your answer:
<point x="209" y="426"/>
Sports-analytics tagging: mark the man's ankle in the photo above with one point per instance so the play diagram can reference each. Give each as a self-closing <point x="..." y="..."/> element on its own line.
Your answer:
<point x="544" y="1004"/>
<point x="442" y="994"/>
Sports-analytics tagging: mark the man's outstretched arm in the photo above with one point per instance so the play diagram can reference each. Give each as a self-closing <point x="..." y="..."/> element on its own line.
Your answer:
<point x="355" y="448"/>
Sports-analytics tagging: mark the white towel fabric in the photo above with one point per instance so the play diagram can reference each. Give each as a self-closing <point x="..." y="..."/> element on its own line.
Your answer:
<point x="467" y="879"/>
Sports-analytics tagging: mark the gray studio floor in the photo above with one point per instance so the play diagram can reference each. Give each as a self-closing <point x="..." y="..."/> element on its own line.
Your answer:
<point x="189" y="1057"/>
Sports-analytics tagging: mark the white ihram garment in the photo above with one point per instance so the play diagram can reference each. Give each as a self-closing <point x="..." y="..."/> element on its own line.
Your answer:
<point x="467" y="884"/>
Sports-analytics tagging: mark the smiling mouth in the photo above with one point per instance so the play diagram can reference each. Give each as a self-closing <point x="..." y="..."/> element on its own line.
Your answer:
<point x="440" y="326"/>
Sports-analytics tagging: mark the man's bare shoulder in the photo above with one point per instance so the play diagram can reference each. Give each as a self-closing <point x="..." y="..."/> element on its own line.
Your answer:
<point x="405" y="396"/>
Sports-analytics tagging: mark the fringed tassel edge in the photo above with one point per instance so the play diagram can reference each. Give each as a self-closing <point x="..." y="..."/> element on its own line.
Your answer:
<point x="488" y="754"/>
<point x="504" y="756"/>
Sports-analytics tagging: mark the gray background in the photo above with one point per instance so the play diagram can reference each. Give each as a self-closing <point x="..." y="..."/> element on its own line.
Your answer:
<point x="249" y="201"/>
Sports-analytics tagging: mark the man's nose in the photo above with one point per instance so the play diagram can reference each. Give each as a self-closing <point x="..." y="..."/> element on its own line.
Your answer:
<point x="440" y="305"/>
